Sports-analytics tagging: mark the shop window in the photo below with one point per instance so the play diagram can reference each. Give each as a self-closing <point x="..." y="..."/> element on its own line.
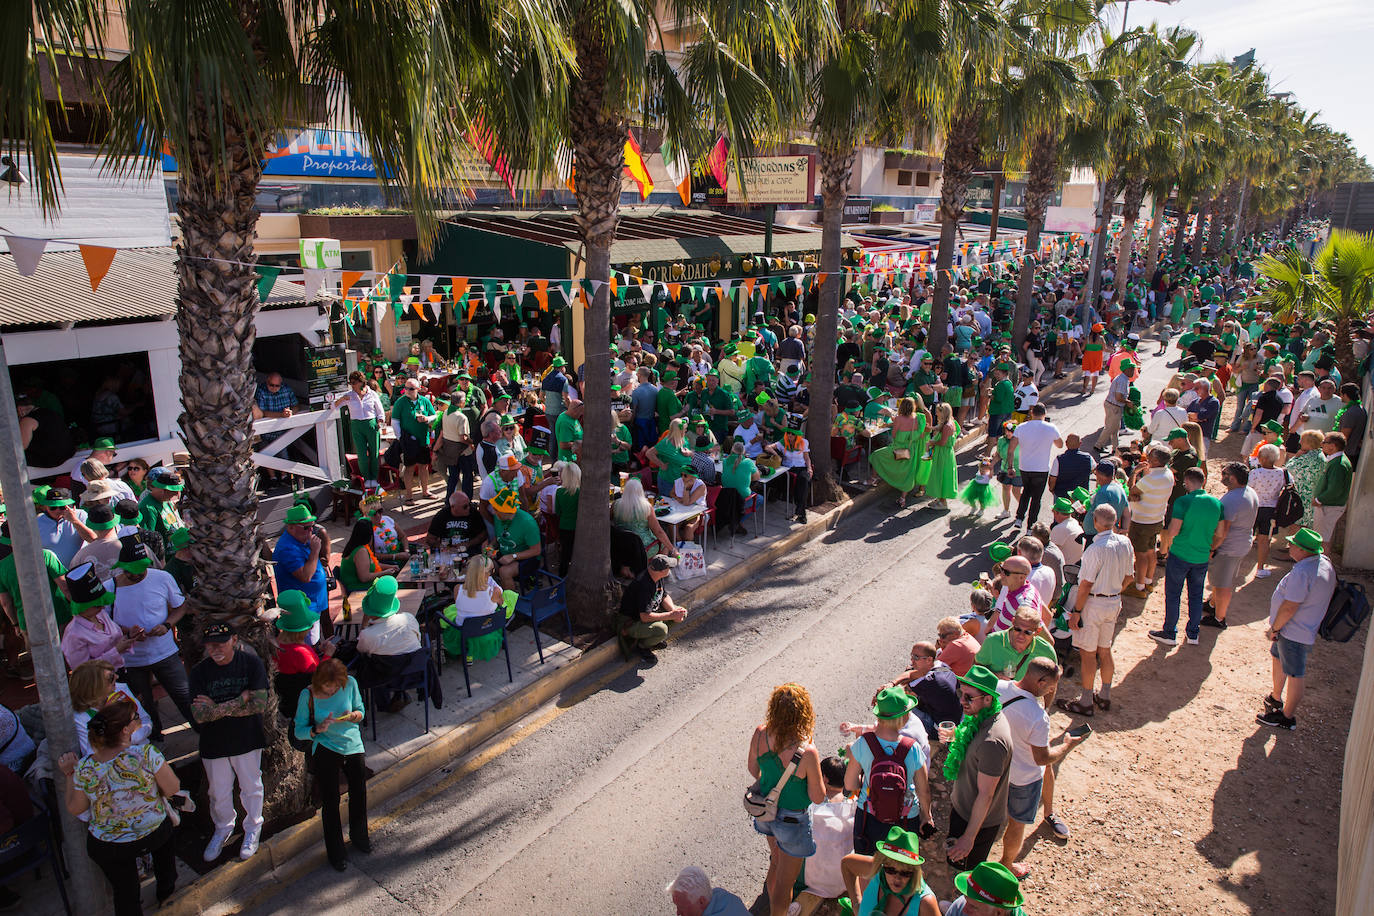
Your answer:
<point x="903" y="178"/>
<point x="99" y="396"/>
<point x="922" y="179"/>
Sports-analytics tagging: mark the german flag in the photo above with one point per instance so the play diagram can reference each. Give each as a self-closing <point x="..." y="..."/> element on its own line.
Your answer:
<point x="635" y="167"/>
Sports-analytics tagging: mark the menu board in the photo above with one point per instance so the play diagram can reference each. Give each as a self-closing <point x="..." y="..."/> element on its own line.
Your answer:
<point x="326" y="372"/>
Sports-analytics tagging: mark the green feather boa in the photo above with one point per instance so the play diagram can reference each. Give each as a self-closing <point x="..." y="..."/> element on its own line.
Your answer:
<point x="963" y="734"/>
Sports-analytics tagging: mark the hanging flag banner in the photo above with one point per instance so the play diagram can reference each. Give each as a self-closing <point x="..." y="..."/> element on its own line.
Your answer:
<point x="267" y="278"/>
<point x="97" y="259"/>
<point x="635" y="167"/>
<point x="26" y="253"/>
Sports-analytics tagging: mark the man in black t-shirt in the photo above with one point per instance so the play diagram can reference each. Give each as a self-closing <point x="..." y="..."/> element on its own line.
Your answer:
<point x="647" y="611"/>
<point x="457" y="524"/>
<point x="935" y="687"/>
<point x="229" y="695"/>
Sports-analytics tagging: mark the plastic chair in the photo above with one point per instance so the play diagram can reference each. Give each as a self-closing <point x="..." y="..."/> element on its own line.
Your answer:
<point x="473" y="627"/>
<point x="752" y="506"/>
<point x="414" y="676"/>
<point x="544" y="603"/>
<point x="30" y="845"/>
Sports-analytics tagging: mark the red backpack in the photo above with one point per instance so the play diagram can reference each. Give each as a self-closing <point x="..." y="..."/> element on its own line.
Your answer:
<point x="887" y="780"/>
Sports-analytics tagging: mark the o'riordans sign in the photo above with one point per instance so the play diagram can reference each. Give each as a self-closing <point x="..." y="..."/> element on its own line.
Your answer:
<point x="773" y="180"/>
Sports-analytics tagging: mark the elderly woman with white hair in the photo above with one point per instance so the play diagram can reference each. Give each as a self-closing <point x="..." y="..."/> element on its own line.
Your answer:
<point x="634" y="512"/>
<point x="693" y="895"/>
<point x="1267" y="481"/>
<point x="93" y="470"/>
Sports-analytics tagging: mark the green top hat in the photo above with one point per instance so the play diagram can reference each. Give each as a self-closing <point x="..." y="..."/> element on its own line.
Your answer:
<point x="1306" y="539"/>
<point x="991" y="883"/>
<point x="299" y="515"/>
<point x="1178" y="432"/>
<point x="901" y="845"/>
<point x="296" y="615"/>
<point x="999" y="551"/>
<point x="133" y="555"/>
<point x="1126" y="365"/>
<point x="86" y="589"/>
<point x="1272" y="426"/>
<point x="980" y="678"/>
<point x="381" y="600"/>
<point x="876" y="392"/>
<point x="100" y="518"/>
<point x="698" y="420"/>
<point x="892" y="703"/>
<point x="558" y="362"/>
<point x="1063" y="505"/>
<point x="743" y="415"/>
<point x="178" y="539"/>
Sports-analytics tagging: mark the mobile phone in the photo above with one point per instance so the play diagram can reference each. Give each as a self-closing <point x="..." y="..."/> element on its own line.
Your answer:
<point x="1082" y="731"/>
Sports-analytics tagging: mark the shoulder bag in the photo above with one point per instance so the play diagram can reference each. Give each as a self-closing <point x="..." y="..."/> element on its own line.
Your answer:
<point x="764" y="808"/>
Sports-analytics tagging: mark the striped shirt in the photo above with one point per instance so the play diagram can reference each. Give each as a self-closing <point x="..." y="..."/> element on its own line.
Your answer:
<point x="1008" y="603"/>
<point x="1154" y="489"/>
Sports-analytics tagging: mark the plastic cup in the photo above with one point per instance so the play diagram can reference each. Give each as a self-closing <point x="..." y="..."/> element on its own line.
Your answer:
<point x="946" y="730"/>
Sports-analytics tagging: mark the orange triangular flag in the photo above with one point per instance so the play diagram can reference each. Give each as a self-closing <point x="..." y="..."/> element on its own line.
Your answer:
<point x="351" y="277"/>
<point x="363" y="304"/>
<point x="614" y="285"/>
<point x="460" y="286"/>
<point x="472" y="306"/>
<point x="541" y="294"/>
<point x="820" y="280"/>
<point x="98" y="260"/>
<point x="749" y="288"/>
<point x="674" y="290"/>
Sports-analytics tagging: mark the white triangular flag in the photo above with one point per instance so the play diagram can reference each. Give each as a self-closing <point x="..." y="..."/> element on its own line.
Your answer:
<point x="647" y="291"/>
<point x="518" y="286"/>
<point x="314" y="279"/>
<point x="26" y="253"/>
<point x="427" y="286"/>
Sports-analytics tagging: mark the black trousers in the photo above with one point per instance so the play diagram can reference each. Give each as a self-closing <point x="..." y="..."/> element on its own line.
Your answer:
<point x="171" y="674"/>
<point x="982" y="840"/>
<point x="801" y="488"/>
<point x="1032" y="491"/>
<point x="327" y="767"/>
<point x="119" y="862"/>
<point x="567" y="539"/>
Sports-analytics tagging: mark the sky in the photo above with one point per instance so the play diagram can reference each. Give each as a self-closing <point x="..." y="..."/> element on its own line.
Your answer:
<point x="1294" y="42"/>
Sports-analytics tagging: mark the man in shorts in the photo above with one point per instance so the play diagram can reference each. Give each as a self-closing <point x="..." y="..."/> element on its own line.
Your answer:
<point x="1295" y="612"/>
<point x="1149" y="500"/>
<point x="1240" y="510"/>
<point x="1104" y="572"/>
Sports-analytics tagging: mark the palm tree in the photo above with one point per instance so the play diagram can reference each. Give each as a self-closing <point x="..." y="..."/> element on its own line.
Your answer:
<point x="216" y="82"/>
<point x="622" y="73"/>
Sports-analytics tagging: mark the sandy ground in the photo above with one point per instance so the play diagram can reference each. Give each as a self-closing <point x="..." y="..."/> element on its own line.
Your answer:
<point x="1181" y="802"/>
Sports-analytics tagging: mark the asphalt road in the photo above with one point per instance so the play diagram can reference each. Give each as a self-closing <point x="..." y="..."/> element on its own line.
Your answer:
<point x="595" y="811"/>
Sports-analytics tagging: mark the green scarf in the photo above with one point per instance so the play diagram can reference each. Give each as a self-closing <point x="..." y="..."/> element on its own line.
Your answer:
<point x="963" y="734"/>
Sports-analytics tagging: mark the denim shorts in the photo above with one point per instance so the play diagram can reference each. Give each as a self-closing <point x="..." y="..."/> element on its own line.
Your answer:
<point x="1023" y="802"/>
<point x="792" y="830"/>
<point x="1291" y="655"/>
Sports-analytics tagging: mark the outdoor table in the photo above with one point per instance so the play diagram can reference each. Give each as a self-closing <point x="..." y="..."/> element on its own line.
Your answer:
<point x="678" y="514"/>
<point x="872" y="432"/>
<point x="766" y="476"/>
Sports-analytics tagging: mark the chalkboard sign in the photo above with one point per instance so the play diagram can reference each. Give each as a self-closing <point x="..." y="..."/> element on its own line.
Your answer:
<point x="326" y="372"/>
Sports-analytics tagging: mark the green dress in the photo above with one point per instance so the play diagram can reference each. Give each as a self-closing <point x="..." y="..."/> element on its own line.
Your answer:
<point x="902" y="474"/>
<point x="944" y="469"/>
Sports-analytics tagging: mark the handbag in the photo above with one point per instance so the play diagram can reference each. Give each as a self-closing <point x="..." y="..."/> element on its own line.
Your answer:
<point x="762" y="807"/>
<point x="902" y="454"/>
<point x="1288" y="507"/>
<point x="691" y="560"/>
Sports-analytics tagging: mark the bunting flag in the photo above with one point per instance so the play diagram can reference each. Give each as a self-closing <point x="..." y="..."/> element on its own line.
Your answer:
<point x="519" y="286"/>
<point x="427" y="286"/>
<point x="716" y="162"/>
<point x="541" y="294"/>
<point x="267" y="278"/>
<point x="26" y="253"/>
<point x="724" y="289"/>
<point x="460" y="290"/>
<point x="97" y="259"/>
<point x="350" y="279"/>
<point x="674" y="291"/>
<point x="635" y="167"/>
<point x="472" y="309"/>
<point x="678" y="171"/>
<point x="485" y="142"/>
<point x="394" y="284"/>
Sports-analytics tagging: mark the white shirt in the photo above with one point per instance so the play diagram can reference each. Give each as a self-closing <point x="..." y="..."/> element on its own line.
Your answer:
<point x="145" y="604"/>
<point x="1321" y="415"/>
<point x="1300" y="402"/>
<point x="1030" y="727"/>
<point x="1165" y="419"/>
<point x="398" y="634"/>
<point x="1107" y="562"/>
<point x="367" y="406"/>
<point x="832" y="827"/>
<point x="1035" y="442"/>
<point x="752" y="449"/>
<point x="1042" y="577"/>
<point x="1065" y="536"/>
<point x="796" y="459"/>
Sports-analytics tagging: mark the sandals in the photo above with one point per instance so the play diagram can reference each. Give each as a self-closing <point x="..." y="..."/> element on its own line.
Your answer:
<point x="1074" y="707"/>
<point x="1104" y="705"/>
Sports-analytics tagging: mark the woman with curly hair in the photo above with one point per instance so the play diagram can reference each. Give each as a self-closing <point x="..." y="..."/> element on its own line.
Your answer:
<point x="783" y="741"/>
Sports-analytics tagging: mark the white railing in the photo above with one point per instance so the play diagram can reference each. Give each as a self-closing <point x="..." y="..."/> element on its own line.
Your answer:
<point x="328" y="465"/>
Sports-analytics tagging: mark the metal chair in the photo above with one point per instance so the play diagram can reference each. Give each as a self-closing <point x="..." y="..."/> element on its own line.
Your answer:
<point x="544" y="603"/>
<point x="414" y="676"/>
<point x="473" y="627"/>
<point x="30" y="845"/>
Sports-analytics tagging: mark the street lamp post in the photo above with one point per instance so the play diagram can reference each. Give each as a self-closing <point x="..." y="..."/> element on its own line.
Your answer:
<point x="49" y="667"/>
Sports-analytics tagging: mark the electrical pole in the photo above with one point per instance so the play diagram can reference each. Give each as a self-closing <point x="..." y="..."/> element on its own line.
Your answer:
<point x="49" y="667"/>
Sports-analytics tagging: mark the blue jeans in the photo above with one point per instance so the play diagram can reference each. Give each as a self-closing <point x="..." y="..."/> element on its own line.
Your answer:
<point x="1176" y="573"/>
<point x="645" y="432"/>
<point x="1244" y="407"/>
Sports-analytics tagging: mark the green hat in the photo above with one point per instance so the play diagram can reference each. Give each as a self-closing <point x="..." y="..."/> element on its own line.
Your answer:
<point x="381" y="600"/>
<point x="876" y="392"/>
<point x="299" y="515"/>
<point x="1063" y="505"/>
<point x="1272" y="426"/>
<point x="1126" y="365"/>
<point x="982" y="679"/>
<point x="991" y="883"/>
<point x="1306" y="539"/>
<point x="86" y="589"/>
<point x="892" y="703"/>
<point x="1080" y="495"/>
<point x="103" y="445"/>
<point x="901" y="845"/>
<point x="509" y="421"/>
<point x="668" y="374"/>
<point x="133" y="555"/>
<point x="743" y="415"/>
<point x="763" y="398"/>
<point x="1178" y="432"/>
<point x="506" y="500"/>
<point x="999" y="551"/>
<point x="178" y="538"/>
<point x="558" y="362"/>
<point x="296" y="615"/>
<point x="698" y="420"/>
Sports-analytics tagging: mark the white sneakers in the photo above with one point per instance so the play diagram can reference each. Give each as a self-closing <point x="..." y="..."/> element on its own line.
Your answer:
<point x="250" y="843"/>
<point x="216" y="844"/>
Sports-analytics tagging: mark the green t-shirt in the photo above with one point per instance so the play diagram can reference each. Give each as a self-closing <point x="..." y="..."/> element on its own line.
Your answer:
<point x="739" y="476"/>
<point x="667" y="407"/>
<point x="414" y="415"/>
<point x="674" y="459"/>
<point x="520" y="533"/>
<point x="158" y="516"/>
<point x="567" y="429"/>
<point x="1201" y="513"/>
<point x="722" y="399"/>
<point x="998" y="656"/>
<point x="1003" y="398"/>
<point x="622" y="456"/>
<point x="9" y="583"/>
<point x="923" y="377"/>
<point x="757" y="369"/>
<point x="565" y="507"/>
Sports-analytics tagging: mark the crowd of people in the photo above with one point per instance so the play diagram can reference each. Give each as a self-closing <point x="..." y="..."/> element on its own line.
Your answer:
<point x="698" y="424"/>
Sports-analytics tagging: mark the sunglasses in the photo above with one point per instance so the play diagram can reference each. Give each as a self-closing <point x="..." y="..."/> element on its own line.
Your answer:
<point x="1024" y="631"/>
<point x="898" y="872"/>
<point x="965" y="698"/>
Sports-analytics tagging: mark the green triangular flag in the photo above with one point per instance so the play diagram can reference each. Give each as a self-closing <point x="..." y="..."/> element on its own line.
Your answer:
<point x="493" y="289"/>
<point x="396" y="284"/>
<point x="398" y="311"/>
<point x="267" y="278"/>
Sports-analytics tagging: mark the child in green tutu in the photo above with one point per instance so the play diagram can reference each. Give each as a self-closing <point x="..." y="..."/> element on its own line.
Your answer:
<point x="977" y="494"/>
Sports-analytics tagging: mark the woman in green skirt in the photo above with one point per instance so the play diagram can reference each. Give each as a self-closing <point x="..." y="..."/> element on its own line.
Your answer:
<point x="944" y="469"/>
<point x="899" y="465"/>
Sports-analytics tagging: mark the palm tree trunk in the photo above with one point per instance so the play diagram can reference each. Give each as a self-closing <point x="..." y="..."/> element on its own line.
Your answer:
<point x="598" y="138"/>
<point x="1110" y="188"/>
<point x="1218" y="228"/>
<point x="1345" y="352"/>
<point x="1042" y="171"/>
<point x="1238" y="231"/>
<point x="1156" y="233"/>
<point x="216" y="323"/>
<point x="1181" y="234"/>
<point x="1135" y="194"/>
<point x="1203" y="207"/>
<point x="837" y="162"/>
<point x="962" y="152"/>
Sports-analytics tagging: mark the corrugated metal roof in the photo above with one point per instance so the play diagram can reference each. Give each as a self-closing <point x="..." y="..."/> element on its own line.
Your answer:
<point x="142" y="283"/>
<point x="636" y="224"/>
<point x="632" y="252"/>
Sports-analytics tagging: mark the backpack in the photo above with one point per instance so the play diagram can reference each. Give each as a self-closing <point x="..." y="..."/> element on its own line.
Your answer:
<point x="887" y="780"/>
<point x="1288" y="507"/>
<point x="1348" y="609"/>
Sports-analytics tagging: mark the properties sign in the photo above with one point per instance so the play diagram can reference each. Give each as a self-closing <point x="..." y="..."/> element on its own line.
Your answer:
<point x="774" y="180"/>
